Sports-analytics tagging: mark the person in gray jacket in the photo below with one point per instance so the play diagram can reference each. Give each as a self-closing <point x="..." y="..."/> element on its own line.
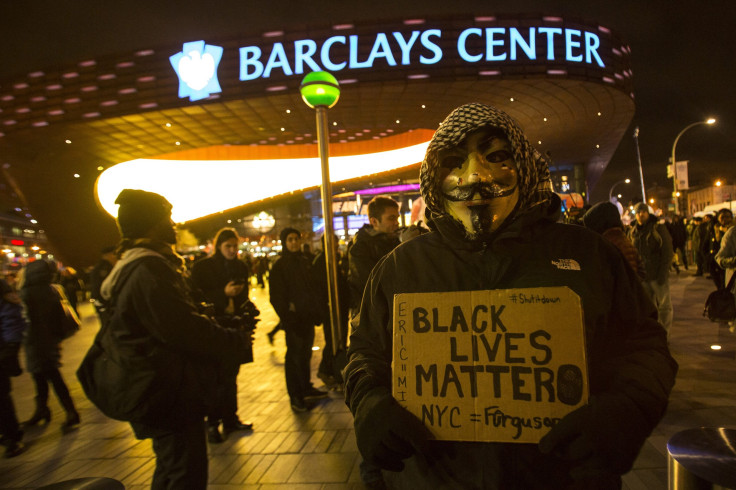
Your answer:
<point x="495" y="225"/>
<point x="654" y="244"/>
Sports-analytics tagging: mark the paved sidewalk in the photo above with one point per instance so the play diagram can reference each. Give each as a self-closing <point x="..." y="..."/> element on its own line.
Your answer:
<point x="316" y="450"/>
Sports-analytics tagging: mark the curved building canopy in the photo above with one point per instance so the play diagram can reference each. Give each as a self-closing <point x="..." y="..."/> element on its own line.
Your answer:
<point x="567" y="82"/>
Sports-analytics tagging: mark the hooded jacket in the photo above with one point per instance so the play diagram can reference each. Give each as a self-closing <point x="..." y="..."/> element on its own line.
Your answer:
<point x="630" y="369"/>
<point x="44" y="312"/>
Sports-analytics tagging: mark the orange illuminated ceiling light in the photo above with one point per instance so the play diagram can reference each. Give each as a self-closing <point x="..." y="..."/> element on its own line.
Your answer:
<point x="205" y="181"/>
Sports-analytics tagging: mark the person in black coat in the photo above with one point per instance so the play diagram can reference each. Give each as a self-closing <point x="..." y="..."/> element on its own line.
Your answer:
<point x="495" y="223"/>
<point x="12" y="327"/>
<point x="43" y="342"/>
<point x="296" y="303"/>
<point x="156" y="326"/>
<point x="371" y="243"/>
<point x="221" y="280"/>
<point x="330" y="367"/>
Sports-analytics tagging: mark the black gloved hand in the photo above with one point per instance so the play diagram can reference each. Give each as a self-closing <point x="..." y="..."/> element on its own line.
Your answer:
<point x="569" y="440"/>
<point x="601" y="438"/>
<point x="386" y="432"/>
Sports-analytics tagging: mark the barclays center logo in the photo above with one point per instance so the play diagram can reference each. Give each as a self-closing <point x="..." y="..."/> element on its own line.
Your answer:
<point x="196" y="66"/>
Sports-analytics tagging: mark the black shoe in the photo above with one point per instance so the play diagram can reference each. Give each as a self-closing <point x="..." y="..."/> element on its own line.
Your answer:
<point x="40" y="415"/>
<point x="237" y="426"/>
<point x="72" y="420"/>
<point x="376" y="485"/>
<point x="315" y="394"/>
<point x="328" y="379"/>
<point x="299" y="406"/>
<point x="213" y="435"/>
<point x="14" y="448"/>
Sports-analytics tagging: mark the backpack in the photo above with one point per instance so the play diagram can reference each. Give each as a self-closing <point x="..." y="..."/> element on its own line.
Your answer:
<point x="721" y="304"/>
<point x="127" y="385"/>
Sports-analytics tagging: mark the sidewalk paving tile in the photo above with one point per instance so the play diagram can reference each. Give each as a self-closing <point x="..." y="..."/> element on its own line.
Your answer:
<point x="317" y="450"/>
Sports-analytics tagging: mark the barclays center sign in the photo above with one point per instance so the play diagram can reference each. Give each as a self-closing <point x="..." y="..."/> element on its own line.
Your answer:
<point x="480" y="47"/>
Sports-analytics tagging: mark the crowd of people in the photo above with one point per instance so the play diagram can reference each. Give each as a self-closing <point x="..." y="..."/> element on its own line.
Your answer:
<point x="494" y="223"/>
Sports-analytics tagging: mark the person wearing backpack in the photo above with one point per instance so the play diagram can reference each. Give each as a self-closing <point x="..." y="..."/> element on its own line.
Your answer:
<point x="156" y="327"/>
<point x="654" y="244"/>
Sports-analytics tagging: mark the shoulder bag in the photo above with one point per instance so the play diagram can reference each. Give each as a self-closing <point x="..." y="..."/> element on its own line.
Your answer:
<point x="128" y="383"/>
<point x="70" y="321"/>
<point x="721" y="305"/>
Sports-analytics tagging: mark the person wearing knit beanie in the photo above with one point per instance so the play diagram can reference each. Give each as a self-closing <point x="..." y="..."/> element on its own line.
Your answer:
<point x="602" y="216"/>
<point x="604" y="219"/>
<point x="140" y="211"/>
<point x="166" y="352"/>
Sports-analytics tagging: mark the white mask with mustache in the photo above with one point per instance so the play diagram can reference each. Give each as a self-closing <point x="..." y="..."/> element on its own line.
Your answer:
<point x="479" y="181"/>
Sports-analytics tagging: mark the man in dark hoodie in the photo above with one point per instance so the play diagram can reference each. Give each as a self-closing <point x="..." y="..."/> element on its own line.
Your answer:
<point x="156" y="324"/>
<point x="654" y="244"/>
<point x="296" y="302"/>
<point x="494" y="221"/>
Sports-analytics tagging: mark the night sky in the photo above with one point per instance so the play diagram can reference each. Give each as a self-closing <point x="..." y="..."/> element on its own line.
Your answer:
<point x="682" y="57"/>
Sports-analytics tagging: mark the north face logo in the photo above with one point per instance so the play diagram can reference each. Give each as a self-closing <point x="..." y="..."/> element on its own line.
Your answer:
<point x="566" y="264"/>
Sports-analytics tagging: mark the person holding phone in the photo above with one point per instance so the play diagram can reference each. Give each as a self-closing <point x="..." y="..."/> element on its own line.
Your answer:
<point x="221" y="281"/>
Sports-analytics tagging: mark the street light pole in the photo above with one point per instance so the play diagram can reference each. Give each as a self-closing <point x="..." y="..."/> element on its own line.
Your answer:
<point x="320" y="91"/>
<point x="674" y="162"/>
<point x="638" y="158"/>
<point x="610" y="191"/>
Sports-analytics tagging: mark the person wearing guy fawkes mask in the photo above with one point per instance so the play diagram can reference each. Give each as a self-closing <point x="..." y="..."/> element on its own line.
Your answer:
<point x="494" y="226"/>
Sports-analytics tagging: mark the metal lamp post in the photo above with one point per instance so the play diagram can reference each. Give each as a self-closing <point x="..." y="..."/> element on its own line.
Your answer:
<point x="610" y="191"/>
<point x="638" y="159"/>
<point x="320" y="91"/>
<point x="674" y="162"/>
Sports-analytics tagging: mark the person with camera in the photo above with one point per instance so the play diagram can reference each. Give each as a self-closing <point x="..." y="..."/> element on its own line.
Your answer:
<point x="221" y="281"/>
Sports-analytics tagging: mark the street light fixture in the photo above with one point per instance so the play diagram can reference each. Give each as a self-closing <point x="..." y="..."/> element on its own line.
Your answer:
<point x="320" y="91"/>
<point x="610" y="191"/>
<point x="708" y="121"/>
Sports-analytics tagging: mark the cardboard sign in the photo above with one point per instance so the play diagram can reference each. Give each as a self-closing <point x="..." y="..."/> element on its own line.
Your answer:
<point x="501" y="366"/>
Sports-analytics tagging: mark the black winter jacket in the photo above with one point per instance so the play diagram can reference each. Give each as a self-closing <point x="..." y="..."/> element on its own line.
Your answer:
<point x="44" y="312"/>
<point x="210" y="276"/>
<point x="155" y="323"/>
<point x="368" y="247"/>
<point x="630" y="366"/>
<point x="293" y="294"/>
